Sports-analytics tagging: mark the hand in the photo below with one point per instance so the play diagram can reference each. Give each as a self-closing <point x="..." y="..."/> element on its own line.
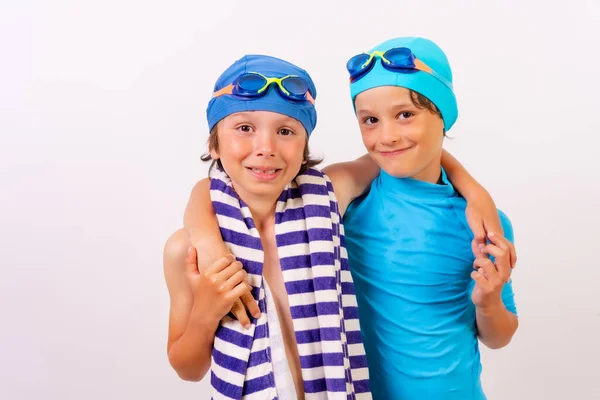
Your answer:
<point x="482" y="217"/>
<point x="489" y="276"/>
<point x="219" y="287"/>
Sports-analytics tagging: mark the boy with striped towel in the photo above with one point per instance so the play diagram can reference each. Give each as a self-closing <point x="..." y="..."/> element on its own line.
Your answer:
<point x="280" y="219"/>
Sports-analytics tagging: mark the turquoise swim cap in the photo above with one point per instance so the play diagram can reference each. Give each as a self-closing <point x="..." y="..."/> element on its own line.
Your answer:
<point x="419" y="81"/>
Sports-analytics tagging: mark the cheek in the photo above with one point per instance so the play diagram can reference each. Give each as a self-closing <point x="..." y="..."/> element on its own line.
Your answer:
<point x="369" y="138"/>
<point x="234" y="148"/>
<point x="293" y="152"/>
<point x="427" y="138"/>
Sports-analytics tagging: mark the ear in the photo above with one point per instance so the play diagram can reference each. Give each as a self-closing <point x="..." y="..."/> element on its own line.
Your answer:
<point x="214" y="155"/>
<point x="304" y="162"/>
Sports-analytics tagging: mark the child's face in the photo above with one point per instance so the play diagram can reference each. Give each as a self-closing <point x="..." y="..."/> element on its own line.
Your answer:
<point x="261" y="151"/>
<point x="404" y="140"/>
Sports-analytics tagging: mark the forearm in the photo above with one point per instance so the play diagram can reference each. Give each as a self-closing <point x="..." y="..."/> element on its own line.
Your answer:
<point x="351" y="179"/>
<point x="202" y="226"/>
<point x="190" y="355"/>
<point x="460" y="177"/>
<point x="496" y="325"/>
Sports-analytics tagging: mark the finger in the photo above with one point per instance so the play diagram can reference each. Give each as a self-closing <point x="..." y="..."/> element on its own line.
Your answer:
<point x="476" y="247"/>
<point x="498" y="240"/>
<point x="227" y="273"/>
<point x="501" y="261"/>
<point x="488" y="267"/>
<point x="239" y="311"/>
<point x="191" y="263"/>
<point x="513" y="255"/>
<point x="234" y="280"/>
<point x="478" y="234"/>
<point x="219" y="265"/>
<point x="251" y="304"/>
<point x="480" y="280"/>
<point x="505" y="244"/>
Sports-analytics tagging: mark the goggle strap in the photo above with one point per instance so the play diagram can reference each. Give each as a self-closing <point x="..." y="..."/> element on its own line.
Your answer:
<point x="420" y="65"/>
<point x="226" y="90"/>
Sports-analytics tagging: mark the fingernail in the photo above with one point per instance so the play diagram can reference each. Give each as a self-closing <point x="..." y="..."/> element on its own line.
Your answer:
<point x="491" y="234"/>
<point x="481" y="246"/>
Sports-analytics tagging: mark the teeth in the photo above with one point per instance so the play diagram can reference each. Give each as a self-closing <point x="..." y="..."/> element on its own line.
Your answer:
<point x="263" y="171"/>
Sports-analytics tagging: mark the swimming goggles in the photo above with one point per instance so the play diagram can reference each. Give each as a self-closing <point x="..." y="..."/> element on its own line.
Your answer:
<point x="254" y="84"/>
<point x="397" y="59"/>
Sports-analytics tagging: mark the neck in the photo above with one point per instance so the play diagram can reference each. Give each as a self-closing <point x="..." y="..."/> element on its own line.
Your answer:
<point x="263" y="214"/>
<point x="261" y="207"/>
<point x="432" y="172"/>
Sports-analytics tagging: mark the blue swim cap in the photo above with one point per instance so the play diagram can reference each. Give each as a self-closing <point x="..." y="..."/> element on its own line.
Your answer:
<point x="222" y="106"/>
<point x="422" y="82"/>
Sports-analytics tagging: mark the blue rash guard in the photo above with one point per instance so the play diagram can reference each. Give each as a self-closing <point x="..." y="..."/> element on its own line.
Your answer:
<point x="410" y="254"/>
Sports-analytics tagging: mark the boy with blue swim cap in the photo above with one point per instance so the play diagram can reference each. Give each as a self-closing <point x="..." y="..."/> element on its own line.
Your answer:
<point x="280" y="219"/>
<point x="423" y="307"/>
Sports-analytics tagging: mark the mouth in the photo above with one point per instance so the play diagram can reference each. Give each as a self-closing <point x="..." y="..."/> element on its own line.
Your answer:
<point x="264" y="174"/>
<point x="395" y="153"/>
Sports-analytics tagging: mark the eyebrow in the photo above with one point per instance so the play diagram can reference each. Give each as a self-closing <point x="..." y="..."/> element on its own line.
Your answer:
<point x="402" y="105"/>
<point x="392" y="106"/>
<point x="282" y="120"/>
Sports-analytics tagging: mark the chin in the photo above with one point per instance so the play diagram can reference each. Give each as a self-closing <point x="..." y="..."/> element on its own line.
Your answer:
<point x="395" y="170"/>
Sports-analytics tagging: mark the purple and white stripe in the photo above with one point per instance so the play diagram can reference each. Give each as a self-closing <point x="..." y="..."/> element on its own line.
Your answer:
<point x="314" y="263"/>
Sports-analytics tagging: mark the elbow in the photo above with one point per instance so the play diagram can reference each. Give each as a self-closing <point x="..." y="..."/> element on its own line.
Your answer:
<point x="190" y="372"/>
<point x="498" y="344"/>
<point x="504" y="340"/>
<point x="189" y="377"/>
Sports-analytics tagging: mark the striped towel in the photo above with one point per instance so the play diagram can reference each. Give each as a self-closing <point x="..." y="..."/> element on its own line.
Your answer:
<point x="314" y="263"/>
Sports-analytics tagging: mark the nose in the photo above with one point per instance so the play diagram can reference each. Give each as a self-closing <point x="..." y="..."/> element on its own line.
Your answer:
<point x="389" y="135"/>
<point x="264" y="145"/>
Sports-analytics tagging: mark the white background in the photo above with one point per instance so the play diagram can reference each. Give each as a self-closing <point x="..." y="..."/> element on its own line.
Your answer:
<point x="102" y="123"/>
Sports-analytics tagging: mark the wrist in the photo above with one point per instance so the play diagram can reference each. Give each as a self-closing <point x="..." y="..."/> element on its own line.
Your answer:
<point x="204" y="320"/>
<point x="476" y="192"/>
<point x="491" y="308"/>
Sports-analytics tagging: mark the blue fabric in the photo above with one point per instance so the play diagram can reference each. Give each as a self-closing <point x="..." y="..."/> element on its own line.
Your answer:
<point x="409" y="248"/>
<point x="419" y="81"/>
<point x="222" y="106"/>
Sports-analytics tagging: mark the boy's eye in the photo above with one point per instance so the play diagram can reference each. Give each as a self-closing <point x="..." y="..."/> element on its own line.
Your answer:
<point x="286" y="132"/>
<point x="245" y="128"/>
<point x="405" y="115"/>
<point x="370" y="120"/>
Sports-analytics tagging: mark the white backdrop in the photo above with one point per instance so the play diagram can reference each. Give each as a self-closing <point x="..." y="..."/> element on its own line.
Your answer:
<point x="102" y="122"/>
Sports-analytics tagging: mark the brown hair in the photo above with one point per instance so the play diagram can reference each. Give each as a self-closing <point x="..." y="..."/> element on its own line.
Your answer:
<point x="424" y="103"/>
<point x="213" y="144"/>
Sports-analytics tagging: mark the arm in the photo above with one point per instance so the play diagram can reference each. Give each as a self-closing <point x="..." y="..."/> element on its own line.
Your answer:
<point x="496" y="325"/>
<point x="202" y="226"/>
<point x="482" y="214"/>
<point x="351" y="179"/>
<point x="197" y="305"/>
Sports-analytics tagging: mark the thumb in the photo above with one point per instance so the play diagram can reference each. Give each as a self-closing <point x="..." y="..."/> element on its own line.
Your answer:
<point x="191" y="261"/>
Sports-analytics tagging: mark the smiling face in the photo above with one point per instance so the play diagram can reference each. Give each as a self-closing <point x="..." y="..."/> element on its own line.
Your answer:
<point x="261" y="151"/>
<point x="403" y="139"/>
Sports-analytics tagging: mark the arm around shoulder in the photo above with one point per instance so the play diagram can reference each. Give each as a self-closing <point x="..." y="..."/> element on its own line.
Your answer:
<point x="351" y="179"/>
